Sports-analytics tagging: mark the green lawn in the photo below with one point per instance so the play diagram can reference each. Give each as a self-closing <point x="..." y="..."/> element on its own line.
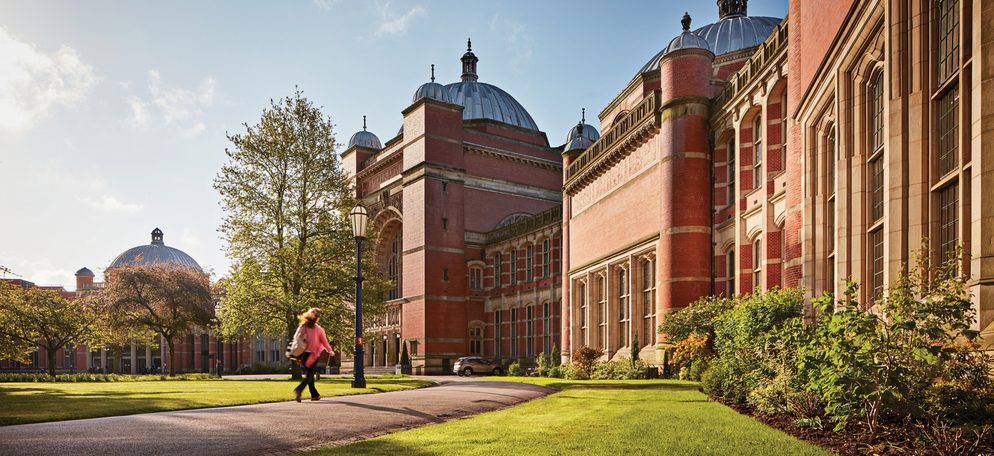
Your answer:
<point x="656" y="417"/>
<point x="37" y="402"/>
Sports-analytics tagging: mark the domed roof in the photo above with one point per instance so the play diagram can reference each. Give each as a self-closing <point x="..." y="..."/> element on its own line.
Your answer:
<point x="365" y="138"/>
<point x="432" y="90"/>
<point x="734" y="31"/>
<point x="687" y="39"/>
<point x="84" y="272"/>
<point x="582" y="135"/>
<point x="484" y="101"/>
<point x="155" y="253"/>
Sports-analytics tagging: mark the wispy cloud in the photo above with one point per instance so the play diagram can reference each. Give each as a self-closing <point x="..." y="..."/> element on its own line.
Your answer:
<point x="111" y="204"/>
<point x="394" y="22"/>
<point x="179" y="107"/>
<point x="189" y="238"/>
<point x="517" y="37"/>
<point x="325" y="5"/>
<point x="33" y="82"/>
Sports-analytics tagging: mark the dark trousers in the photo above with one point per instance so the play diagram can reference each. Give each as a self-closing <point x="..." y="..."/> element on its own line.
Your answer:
<point x="308" y="380"/>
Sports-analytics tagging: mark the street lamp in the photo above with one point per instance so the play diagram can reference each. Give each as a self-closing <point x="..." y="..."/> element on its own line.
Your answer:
<point x="359" y="218"/>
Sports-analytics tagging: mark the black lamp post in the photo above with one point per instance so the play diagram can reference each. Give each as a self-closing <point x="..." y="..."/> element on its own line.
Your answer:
<point x="359" y="218"/>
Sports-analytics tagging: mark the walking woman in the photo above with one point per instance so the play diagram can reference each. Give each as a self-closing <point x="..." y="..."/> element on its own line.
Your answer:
<point x="317" y="342"/>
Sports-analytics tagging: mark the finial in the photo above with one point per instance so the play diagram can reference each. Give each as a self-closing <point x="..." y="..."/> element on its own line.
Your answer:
<point x="686" y="21"/>
<point x="732" y="8"/>
<point x="583" y="115"/>
<point x="363" y="123"/>
<point x="469" y="45"/>
<point x="433" y="72"/>
<point x="469" y="60"/>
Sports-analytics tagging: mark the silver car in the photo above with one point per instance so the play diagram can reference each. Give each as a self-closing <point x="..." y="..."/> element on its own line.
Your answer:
<point x="470" y="365"/>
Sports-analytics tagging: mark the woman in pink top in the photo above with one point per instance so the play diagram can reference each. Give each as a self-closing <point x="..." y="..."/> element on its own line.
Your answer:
<point x="316" y="343"/>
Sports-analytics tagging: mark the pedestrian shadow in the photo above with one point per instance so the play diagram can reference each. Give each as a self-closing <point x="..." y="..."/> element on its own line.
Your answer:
<point x="402" y="410"/>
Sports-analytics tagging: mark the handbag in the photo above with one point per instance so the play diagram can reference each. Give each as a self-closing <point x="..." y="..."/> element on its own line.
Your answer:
<point x="298" y="346"/>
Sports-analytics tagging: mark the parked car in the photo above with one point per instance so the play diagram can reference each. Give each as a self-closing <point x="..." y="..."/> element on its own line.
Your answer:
<point x="470" y="365"/>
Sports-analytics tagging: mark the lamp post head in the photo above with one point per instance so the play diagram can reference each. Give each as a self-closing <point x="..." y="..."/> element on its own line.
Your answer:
<point x="359" y="218"/>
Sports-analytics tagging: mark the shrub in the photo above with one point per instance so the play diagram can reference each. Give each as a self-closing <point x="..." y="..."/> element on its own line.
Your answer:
<point x="555" y="372"/>
<point x="622" y="369"/>
<point x="405" y="359"/>
<point x="95" y="378"/>
<point x="514" y="369"/>
<point x="584" y="359"/>
<point x="542" y="364"/>
<point x="692" y="356"/>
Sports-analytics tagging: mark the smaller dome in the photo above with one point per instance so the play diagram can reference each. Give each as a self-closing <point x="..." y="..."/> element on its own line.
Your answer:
<point x="365" y="138"/>
<point x="432" y="90"/>
<point x="84" y="272"/>
<point x="582" y="135"/>
<point x="588" y="131"/>
<point x="687" y="39"/>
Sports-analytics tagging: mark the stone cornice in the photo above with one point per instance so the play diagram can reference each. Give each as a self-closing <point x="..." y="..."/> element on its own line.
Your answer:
<point x="478" y="149"/>
<point x="373" y="168"/>
<point x="615" y="144"/>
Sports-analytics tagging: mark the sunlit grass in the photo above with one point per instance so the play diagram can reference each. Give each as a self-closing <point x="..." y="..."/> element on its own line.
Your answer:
<point x="22" y="403"/>
<point x="655" y="417"/>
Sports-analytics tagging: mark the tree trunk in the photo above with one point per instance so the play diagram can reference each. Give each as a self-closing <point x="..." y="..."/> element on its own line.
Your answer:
<point x="51" y="361"/>
<point x="172" y="357"/>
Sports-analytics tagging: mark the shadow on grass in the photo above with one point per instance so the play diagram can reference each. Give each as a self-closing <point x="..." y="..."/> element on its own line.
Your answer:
<point x="376" y="447"/>
<point x="580" y="384"/>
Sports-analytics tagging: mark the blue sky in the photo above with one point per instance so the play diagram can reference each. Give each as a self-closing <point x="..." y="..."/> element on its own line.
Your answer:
<point x="113" y="114"/>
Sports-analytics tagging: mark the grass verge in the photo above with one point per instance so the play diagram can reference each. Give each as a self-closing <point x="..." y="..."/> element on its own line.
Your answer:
<point x="23" y="403"/>
<point x="595" y="417"/>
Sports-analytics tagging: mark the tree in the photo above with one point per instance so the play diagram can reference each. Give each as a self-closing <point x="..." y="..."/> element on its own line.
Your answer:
<point x="34" y="317"/>
<point x="635" y="348"/>
<point x="164" y="299"/>
<point x="286" y="201"/>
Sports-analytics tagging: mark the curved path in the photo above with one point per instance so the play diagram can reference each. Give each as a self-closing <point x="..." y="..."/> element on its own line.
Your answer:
<point x="276" y="428"/>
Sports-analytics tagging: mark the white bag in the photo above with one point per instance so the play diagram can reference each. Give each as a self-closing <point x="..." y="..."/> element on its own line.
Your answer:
<point x="299" y="344"/>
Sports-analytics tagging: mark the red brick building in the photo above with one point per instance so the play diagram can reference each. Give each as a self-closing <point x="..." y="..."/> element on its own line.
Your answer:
<point x="466" y="201"/>
<point x="784" y="153"/>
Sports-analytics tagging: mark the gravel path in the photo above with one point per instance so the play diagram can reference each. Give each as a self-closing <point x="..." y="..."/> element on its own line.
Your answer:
<point x="276" y="428"/>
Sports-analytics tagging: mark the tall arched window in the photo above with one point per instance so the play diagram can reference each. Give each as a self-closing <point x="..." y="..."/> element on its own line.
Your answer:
<point x="393" y="268"/>
<point x="581" y="296"/>
<point x="757" y="148"/>
<point x="529" y="263"/>
<point x="648" y="302"/>
<point x="757" y="262"/>
<point x="731" y="271"/>
<point x="732" y="171"/>
<point x="602" y="312"/>
<point x="947" y="106"/>
<point x="623" y="313"/>
<point x="498" y="333"/>
<point x="832" y="157"/>
<point x="875" y="179"/>
<point x="497" y="270"/>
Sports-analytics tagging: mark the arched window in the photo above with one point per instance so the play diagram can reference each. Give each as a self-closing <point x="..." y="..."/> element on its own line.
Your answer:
<point x="475" y="340"/>
<point x="581" y="297"/>
<point x="393" y="268"/>
<point x="757" y="263"/>
<point x="875" y="179"/>
<point x="529" y="263"/>
<point x="514" y="266"/>
<point x="546" y="328"/>
<point x="498" y="333"/>
<point x="475" y="278"/>
<point x="623" y="313"/>
<point x="546" y="258"/>
<point x="732" y="171"/>
<point x="602" y="312"/>
<point x="648" y="302"/>
<point x="757" y="147"/>
<point x="832" y="155"/>
<point x="529" y="331"/>
<point x="731" y="271"/>
<point x="514" y="333"/>
<point x="497" y="270"/>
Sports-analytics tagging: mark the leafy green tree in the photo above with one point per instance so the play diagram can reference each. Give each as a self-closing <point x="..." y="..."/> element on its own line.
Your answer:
<point x="35" y="317"/>
<point x="635" y="348"/>
<point x="286" y="200"/>
<point x="163" y="299"/>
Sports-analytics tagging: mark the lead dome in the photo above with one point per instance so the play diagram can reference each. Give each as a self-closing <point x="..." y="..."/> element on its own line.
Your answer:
<point x="734" y="31"/>
<point x="431" y="90"/>
<point x="365" y="138"/>
<point x="485" y="101"/>
<point x="155" y="253"/>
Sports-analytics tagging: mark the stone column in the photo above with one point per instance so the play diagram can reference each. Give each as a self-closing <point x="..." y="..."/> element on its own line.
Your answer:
<point x="134" y="358"/>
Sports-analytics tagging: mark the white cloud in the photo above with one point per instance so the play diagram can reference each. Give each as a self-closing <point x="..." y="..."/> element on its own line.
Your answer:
<point x="111" y="204"/>
<point x="189" y="238"/>
<point x="325" y="5"/>
<point x="392" y="22"/>
<point x="33" y="82"/>
<point x="181" y="108"/>
<point x="517" y="37"/>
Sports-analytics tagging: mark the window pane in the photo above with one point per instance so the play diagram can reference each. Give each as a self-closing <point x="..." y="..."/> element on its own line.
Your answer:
<point x="948" y="131"/>
<point x="948" y="219"/>
<point x="876" y="189"/>
<point x="877" y="265"/>
<point x="877" y="112"/>
<point x="948" y="46"/>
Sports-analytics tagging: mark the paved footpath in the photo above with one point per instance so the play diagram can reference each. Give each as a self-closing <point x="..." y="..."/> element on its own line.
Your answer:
<point x="276" y="428"/>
